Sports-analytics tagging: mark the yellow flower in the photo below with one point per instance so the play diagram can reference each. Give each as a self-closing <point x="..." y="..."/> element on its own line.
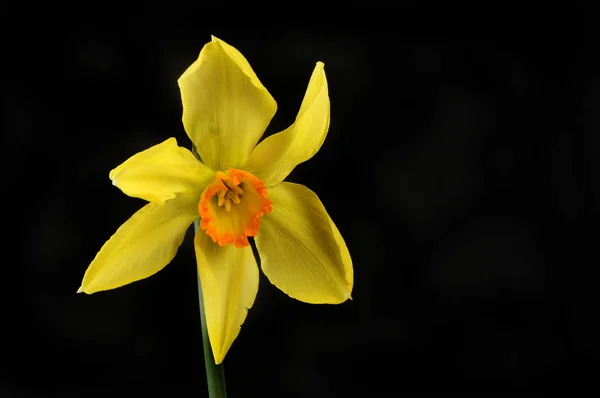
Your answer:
<point x="237" y="191"/>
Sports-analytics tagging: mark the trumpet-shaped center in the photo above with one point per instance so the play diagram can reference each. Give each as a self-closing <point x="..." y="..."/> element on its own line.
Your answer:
<point x="231" y="206"/>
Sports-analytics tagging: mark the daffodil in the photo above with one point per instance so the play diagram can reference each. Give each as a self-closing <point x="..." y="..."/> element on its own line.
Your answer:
<point x="236" y="188"/>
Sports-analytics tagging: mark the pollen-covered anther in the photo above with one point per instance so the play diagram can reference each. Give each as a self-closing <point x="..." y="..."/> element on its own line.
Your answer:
<point x="231" y="206"/>
<point x="226" y="197"/>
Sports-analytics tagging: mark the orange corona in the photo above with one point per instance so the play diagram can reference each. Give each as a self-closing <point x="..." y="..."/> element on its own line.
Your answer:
<point x="231" y="206"/>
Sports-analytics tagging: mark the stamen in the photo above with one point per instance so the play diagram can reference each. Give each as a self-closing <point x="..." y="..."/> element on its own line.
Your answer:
<point x="234" y="188"/>
<point x="229" y="193"/>
<point x="221" y="197"/>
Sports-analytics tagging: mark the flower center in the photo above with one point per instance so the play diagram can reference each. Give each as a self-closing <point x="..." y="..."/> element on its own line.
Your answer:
<point x="231" y="206"/>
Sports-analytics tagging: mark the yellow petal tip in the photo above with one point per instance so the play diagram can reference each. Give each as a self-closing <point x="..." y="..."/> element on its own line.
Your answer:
<point x="80" y="290"/>
<point x="113" y="175"/>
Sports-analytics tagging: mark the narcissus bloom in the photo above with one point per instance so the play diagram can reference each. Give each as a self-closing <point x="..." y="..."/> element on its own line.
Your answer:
<point x="237" y="191"/>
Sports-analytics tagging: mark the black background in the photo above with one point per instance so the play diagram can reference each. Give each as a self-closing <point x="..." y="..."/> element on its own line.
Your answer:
<point x="461" y="166"/>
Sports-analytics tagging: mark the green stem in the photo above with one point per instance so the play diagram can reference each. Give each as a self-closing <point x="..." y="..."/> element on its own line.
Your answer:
<point x="215" y="376"/>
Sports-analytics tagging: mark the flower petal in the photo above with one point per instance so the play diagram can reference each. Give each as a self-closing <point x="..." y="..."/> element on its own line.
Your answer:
<point x="301" y="249"/>
<point x="142" y="246"/>
<point x="274" y="158"/>
<point x="226" y="109"/>
<point x="161" y="172"/>
<point x="229" y="278"/>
